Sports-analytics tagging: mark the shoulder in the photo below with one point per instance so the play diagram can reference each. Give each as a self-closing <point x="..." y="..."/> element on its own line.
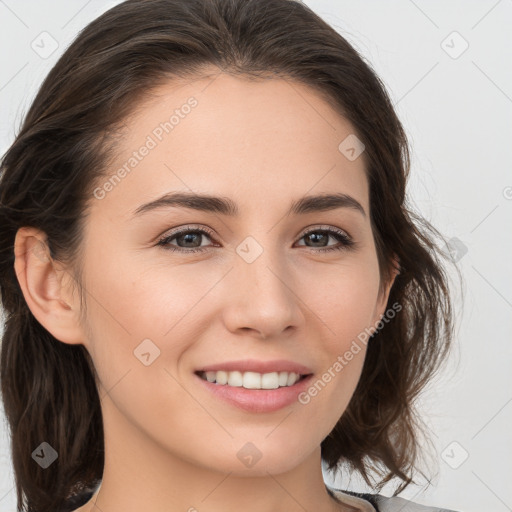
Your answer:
<point x="383" y="503"/>
<point x="395" y="504"/>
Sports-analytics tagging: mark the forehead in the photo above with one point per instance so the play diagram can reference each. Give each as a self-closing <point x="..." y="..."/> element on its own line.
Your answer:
<point x="259" y="140"/>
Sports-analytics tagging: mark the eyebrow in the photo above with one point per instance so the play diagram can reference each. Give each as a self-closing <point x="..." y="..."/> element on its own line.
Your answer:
<point x="226" y="206"/>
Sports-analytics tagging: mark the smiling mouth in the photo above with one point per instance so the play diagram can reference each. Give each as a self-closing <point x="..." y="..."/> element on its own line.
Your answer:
<point x="252" y="380"/>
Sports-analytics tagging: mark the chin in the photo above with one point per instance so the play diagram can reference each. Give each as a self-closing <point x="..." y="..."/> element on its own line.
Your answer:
<point x="260" y="456"/>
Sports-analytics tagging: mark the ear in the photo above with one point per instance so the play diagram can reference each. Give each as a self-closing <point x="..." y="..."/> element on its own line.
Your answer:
<point x="46" y="286"/>
<point x="380" y="307"/>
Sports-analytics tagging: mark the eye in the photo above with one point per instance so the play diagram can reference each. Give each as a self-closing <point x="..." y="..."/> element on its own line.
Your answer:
<point x="320" y="235"/>
<point x="191" y="237"/>
<point x="187" y="235"/>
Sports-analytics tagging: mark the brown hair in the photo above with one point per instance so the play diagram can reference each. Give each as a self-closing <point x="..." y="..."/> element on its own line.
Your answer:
<point x="63" y="147"/>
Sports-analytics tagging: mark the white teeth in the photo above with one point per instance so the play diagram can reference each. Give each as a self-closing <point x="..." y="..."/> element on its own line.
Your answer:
<point x="235" y="379"/>
<point x="252" y="380"/>
<point x="270" y="380"/>
<point x="283" y="378"/>
<point x="221" y="377"/>
<point x="291" y="379"/>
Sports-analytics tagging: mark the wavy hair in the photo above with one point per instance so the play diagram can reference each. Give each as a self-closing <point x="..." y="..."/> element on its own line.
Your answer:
<point x="62" y="148"/>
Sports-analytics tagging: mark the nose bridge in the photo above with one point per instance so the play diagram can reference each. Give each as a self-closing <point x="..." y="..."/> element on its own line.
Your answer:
<point x="262" y="269"/>
<point x="264" y="298"/>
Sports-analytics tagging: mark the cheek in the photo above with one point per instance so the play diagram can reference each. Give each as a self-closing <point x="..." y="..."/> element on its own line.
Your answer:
<point x="346" y="307"/>
<point x="346" y="312"/>
<point x="344" y="298"/>
<point x="134" y="299"/>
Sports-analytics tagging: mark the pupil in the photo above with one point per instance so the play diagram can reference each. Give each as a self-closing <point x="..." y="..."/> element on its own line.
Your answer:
<point x="188" y="237"/>
<point x="316" y="236"/>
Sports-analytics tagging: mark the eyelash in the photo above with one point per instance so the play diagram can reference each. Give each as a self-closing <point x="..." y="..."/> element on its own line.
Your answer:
<point x="346" y="241"/>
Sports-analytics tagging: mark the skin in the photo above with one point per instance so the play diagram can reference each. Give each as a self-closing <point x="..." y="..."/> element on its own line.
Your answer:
<point x="170" y="445"/>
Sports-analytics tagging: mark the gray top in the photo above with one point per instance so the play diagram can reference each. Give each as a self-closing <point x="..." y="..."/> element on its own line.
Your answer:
<point x="360" y="501"/>
<point x="378" y="503"/>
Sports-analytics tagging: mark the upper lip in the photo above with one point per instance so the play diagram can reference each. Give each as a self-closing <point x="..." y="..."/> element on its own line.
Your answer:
<point x="253" y="365"/>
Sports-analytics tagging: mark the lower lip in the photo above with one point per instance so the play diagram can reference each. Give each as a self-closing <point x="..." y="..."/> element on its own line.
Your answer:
<point x="257" y="400"/>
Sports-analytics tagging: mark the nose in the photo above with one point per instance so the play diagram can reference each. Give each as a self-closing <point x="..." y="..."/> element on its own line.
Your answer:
<point x="262" y="298"/>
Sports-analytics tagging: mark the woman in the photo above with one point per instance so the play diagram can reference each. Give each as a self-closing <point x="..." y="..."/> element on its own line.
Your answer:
<point x="211" y="280"/>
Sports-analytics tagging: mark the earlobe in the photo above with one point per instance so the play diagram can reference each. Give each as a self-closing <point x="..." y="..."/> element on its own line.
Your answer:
<point x="43" y="287"/>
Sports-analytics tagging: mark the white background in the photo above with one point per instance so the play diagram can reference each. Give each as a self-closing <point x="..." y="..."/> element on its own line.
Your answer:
<point x="458" y="116"/>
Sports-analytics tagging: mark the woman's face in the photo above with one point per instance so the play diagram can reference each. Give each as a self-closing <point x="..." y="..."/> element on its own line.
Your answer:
<point x="256" y="287"/>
